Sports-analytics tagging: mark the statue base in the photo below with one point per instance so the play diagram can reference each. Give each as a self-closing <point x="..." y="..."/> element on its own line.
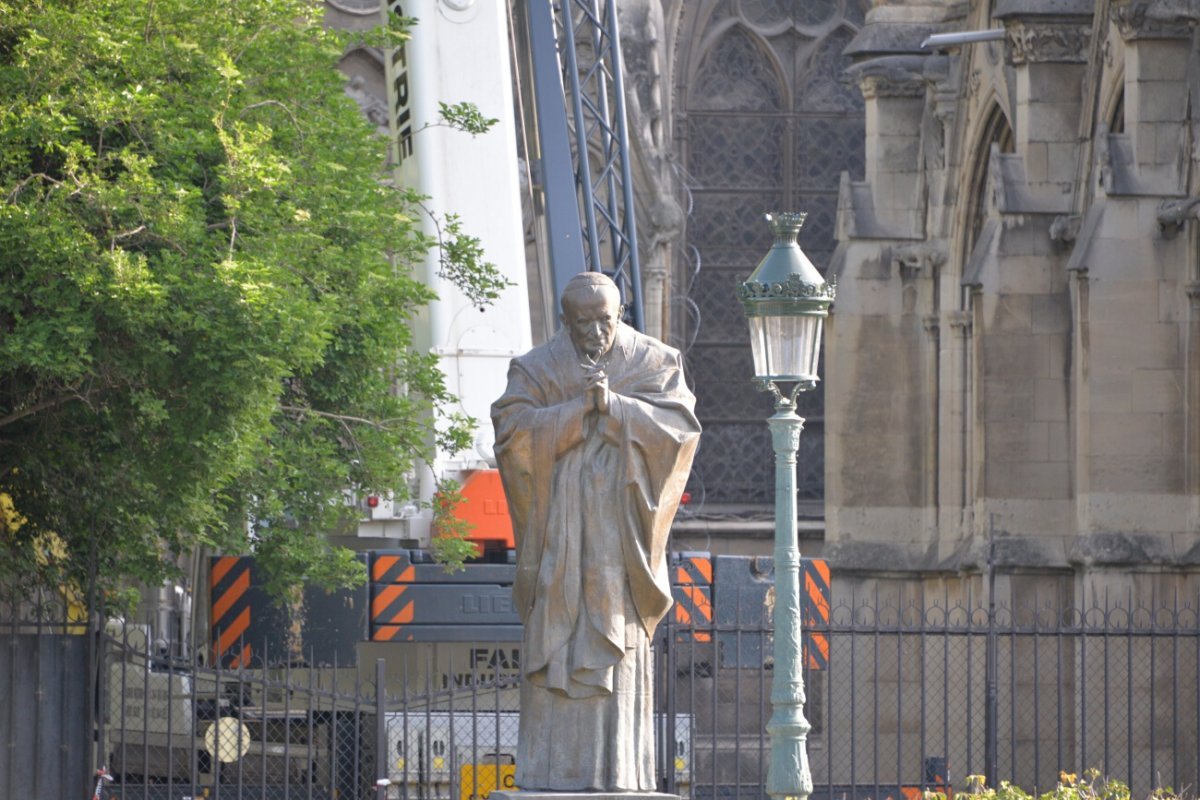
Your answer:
<point x="539" y="794"/>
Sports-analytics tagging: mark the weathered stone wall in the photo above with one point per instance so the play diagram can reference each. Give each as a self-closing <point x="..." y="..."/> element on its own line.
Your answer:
<point x="1012" y="362"/>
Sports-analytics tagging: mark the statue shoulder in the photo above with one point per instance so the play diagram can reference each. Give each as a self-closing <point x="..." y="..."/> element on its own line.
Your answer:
<point x="644" y="346"/>
<point x="539" y="362"/>
<point x="542" y="353"/>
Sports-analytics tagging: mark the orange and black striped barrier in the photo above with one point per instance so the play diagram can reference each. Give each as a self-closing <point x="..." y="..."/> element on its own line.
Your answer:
<point x="392" y="568"/>
<point x="391" y="576"/>
<point x="415" y="601"/>
<point x="814" y="611"/>
<point x="743" y="589"/>
<point x="230" y="582"/>
<point x="249" y="627"/>
<point x="412" y="599"/>
<point x="691" y="585"/>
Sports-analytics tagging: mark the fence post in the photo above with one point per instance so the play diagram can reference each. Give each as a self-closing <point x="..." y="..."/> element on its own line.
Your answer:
<point x="670" y="735"/>
<point x="94" y="714"/>
<point x="381" y="753"/>
<point x="991" y="716"/>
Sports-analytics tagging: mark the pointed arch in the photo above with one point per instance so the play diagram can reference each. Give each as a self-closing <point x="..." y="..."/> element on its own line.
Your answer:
<point x="367" y="84"/>
<point x="995" y="130"/>
<point x="823" y="87"/>
<point x="737" y="72"/>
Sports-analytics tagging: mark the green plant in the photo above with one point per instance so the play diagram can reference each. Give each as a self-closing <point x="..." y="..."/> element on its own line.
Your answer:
<point x="450" y="544"/>
<point x="1092" y="786"/>
<point x="466" y="117"/>
<point x="206" y="292"/>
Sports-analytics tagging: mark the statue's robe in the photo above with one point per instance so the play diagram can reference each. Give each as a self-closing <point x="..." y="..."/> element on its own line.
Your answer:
<point x="592" y="498"/>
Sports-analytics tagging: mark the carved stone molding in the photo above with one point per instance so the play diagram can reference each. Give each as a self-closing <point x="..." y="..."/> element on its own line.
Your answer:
<point x="941" y="79"/>
<point x="1065" y="228"/>
<point x="373" y="108"/>
<point x="931" y="324"/>
<point x="1193" y="292"/>
<point x="1047" y="43"/>
<point x="873" y="87"/>
<point x="891" y="76"/>
<point x="1172" y="214"/>
<point x="974" y="81"/>
<point x="919" y="257"/>
<point x="1156" y="19"/>
<point x="959" y="321"/>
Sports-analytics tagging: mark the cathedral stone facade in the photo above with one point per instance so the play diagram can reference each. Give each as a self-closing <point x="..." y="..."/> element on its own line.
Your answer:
<point x="1013" y="361"/>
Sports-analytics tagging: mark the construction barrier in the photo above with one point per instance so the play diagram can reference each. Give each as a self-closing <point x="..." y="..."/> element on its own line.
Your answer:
<point x="410" y="598"/>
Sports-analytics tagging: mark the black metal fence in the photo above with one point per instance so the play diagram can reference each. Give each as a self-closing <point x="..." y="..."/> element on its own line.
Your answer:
<point x="905" y="700"/>
<point x="900" y="701"/>
<point x="45" y="697"/>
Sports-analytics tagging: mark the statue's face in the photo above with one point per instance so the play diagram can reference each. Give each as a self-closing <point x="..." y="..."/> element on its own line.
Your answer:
<point x="591" y="316"/>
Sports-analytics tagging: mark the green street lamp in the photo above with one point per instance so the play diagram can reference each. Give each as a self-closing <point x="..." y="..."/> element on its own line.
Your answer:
<point x="786" y="302"/>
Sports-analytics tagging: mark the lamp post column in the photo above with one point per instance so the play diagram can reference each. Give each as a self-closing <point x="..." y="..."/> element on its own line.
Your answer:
<point x="788" y="774"/>
<point x="786" y="302"/>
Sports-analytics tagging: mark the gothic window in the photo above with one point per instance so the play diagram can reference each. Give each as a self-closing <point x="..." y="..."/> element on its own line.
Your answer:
<point x="823" y="86"/>
<point x="770" y="124"/>
<point x="784" y="12"/>
<point x="738" y="76"/>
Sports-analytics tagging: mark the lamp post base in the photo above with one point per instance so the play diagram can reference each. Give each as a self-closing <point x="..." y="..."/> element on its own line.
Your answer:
<point x="788" y="774"/>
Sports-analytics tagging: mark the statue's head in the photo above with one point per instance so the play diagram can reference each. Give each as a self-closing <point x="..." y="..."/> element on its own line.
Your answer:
<point x="591" y="312"/>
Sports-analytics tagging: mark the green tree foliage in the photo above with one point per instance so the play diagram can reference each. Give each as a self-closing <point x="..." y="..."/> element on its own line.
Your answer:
<point x="205" y="290"/>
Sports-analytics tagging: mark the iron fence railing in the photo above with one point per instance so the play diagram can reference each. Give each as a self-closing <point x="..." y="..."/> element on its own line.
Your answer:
<point x="46" y="701"/>
<point x="905" y="700"/>
<point x="901" y="700"/>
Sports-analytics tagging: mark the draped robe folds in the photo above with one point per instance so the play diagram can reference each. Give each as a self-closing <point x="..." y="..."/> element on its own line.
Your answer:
<point x="592" y="497"/>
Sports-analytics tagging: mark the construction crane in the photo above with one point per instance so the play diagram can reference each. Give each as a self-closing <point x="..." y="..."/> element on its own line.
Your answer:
<point x="577" y="140"/>
<point x="564" y="57"/>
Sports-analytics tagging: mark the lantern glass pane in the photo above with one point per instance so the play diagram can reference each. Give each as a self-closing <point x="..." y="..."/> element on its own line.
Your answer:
<point x="786" y="347"/>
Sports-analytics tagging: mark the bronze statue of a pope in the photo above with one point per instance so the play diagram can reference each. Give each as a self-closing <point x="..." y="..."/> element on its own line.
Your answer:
<point x="595" y="436"/>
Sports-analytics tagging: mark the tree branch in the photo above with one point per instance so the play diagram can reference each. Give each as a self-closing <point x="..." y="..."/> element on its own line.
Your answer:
<point x="149" y="233"/>
<point x="173" y="245"/>
<point x="124" y="235"/>
<point x="12" y="196"/>
<point x="286" y="110"/>
<point x="16" y="416"/>
<point x="377" y="424"/>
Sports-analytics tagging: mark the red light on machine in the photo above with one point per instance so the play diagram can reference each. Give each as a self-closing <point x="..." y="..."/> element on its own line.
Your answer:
<point x="685" y="498"/>
<point x="372" y="501"/>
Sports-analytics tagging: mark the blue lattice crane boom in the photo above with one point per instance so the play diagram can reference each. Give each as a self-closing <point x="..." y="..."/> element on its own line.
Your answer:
<point x="577" y="139"/>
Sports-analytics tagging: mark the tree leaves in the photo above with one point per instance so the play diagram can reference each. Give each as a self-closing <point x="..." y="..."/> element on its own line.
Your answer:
<point x="465" y="117"/>
<point x="205" y="291"/>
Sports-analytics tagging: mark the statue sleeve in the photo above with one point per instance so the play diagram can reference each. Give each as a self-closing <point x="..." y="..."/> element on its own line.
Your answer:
<point x="652" y="422"/>
<point x="532" y="430"/>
